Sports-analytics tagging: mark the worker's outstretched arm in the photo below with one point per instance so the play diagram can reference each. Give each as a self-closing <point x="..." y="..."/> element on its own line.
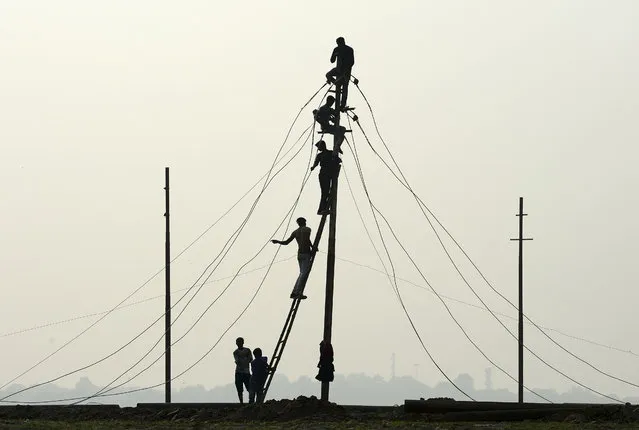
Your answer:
<point x="284" y="242"/>
<point x="334" y="55"/>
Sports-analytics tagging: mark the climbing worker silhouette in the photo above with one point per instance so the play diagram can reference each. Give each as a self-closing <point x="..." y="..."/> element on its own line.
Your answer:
<point x="304" y="247"/>
<point x="328" y="164"/>
<point x="326" y="115"/>
<point x="341" y="74"/>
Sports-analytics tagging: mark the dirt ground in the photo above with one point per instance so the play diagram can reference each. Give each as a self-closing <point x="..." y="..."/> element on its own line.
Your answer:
<point x="300" y="413"/>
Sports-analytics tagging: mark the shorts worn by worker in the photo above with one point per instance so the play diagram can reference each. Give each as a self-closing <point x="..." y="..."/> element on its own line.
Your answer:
<point x="242" y="379"/>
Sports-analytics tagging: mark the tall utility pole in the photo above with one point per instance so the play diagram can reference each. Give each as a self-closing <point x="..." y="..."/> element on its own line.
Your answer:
<point x="167" y="304"/>
<point x="521" y="239"/>
<point x="330" y="261"/>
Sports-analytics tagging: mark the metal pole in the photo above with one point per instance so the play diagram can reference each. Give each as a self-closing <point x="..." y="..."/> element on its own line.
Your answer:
<point x="330" y="261"/>
<point x="521" y="239"/>
<point x="521" y="300"/>
<point x="167" y="303"/>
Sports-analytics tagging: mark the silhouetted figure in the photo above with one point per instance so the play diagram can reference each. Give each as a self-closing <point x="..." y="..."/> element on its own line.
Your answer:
<point x="328" y="166"/>
<point x="326" y="371"/>
<point x="341" y="74"/>
<point x="325" y="117"/>
<point x="304" y="247"/>
<point x="259" y="372"/>
<point x="243" y="358"/>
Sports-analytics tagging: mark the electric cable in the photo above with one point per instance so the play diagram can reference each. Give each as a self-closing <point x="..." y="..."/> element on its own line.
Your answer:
<point x="209" y="306"/>
<point x="375" y="209"/>
<point x="305" y="179"/>
<point x="231" y="239"/>
<point x="396" y="288"/>
<point x="289" y="215"/>
<point x="420" y="204"/>
<point x="47" y="357"/>
<point x="346" y="260"/>
<point x="139" y="302"/>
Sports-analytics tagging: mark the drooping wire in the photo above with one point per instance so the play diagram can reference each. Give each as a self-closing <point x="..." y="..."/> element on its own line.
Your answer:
<point x="224" y="251"/>
<point x="135" y="291"/>
<point x="104" y="389"/>
<point x="106" y="393"/>
<point x="3" y="400"/>
<point x="375" y="209"/>
<point x="452" y="299"/>
<point x="139" y="302"/>
<point x="394" y="284"/>
<point x="312" y="127"/>
<point x="346" y="260"/>
<point x="289" y="215"/>
<point x="423" y="206"/>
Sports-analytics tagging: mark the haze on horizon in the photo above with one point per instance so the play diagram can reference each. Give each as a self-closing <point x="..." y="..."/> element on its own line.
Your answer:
<point x="480" y="104"/>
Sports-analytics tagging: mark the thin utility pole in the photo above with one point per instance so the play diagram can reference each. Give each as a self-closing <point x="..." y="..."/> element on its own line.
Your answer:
<point x="330" y="261"/>
<point x="521" y="239"/>
<point x="167" y="303"/>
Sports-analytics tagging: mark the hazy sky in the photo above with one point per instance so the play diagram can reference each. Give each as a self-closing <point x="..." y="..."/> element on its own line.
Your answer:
<point x="480" y="102"/>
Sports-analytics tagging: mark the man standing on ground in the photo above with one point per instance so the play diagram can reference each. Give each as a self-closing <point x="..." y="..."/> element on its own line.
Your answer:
<point x="328" y="164"/>
<point x="341" y="74"/>
<point x="304" y="246"/>
<point x="243" y="358"/>
<point x="259" y="373"/>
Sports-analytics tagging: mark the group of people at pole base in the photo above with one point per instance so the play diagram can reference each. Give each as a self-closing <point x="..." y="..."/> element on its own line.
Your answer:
<point x="251" y="371"/>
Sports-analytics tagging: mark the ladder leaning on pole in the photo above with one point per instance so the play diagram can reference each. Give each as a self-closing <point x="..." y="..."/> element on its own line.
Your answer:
<point x="290" y="319"/>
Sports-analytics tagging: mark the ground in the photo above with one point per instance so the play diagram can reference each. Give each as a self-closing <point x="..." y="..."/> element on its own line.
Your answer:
<point x="311" y="413"/>
<point x="302" y="424"/>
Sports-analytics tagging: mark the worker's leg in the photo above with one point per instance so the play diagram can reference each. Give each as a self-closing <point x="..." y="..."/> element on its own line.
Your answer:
<point x="247" y="382"/>
<point x="344" y="85"/>
<point x="325" y="186"/>
<point x="260" y="393"/>
<point x="339" y="138"/>
<point x="331" y="75"/>
<point x="304" y="261"/>
<point x="238" y="386"/>
<point x="252" y="391"/>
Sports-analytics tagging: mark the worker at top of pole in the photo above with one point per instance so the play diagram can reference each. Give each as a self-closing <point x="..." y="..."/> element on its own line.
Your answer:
<point x="344" y="57"/>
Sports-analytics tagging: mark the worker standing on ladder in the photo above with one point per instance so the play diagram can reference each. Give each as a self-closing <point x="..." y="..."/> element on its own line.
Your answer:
<point x="341" y="74"/>
<point x="328" y="164"/>
<point x="324" y="116"/>
<point x="304" y="247"/>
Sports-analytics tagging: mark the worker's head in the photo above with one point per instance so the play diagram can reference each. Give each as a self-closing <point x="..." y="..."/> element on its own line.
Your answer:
<point x="330" y="100"/>
<point x="301" y="221"/>
<point x="257" y="353"/>
<point x="239" y="342"/>
<point x="321" y="145"/>
<point x="340" y="41"/>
